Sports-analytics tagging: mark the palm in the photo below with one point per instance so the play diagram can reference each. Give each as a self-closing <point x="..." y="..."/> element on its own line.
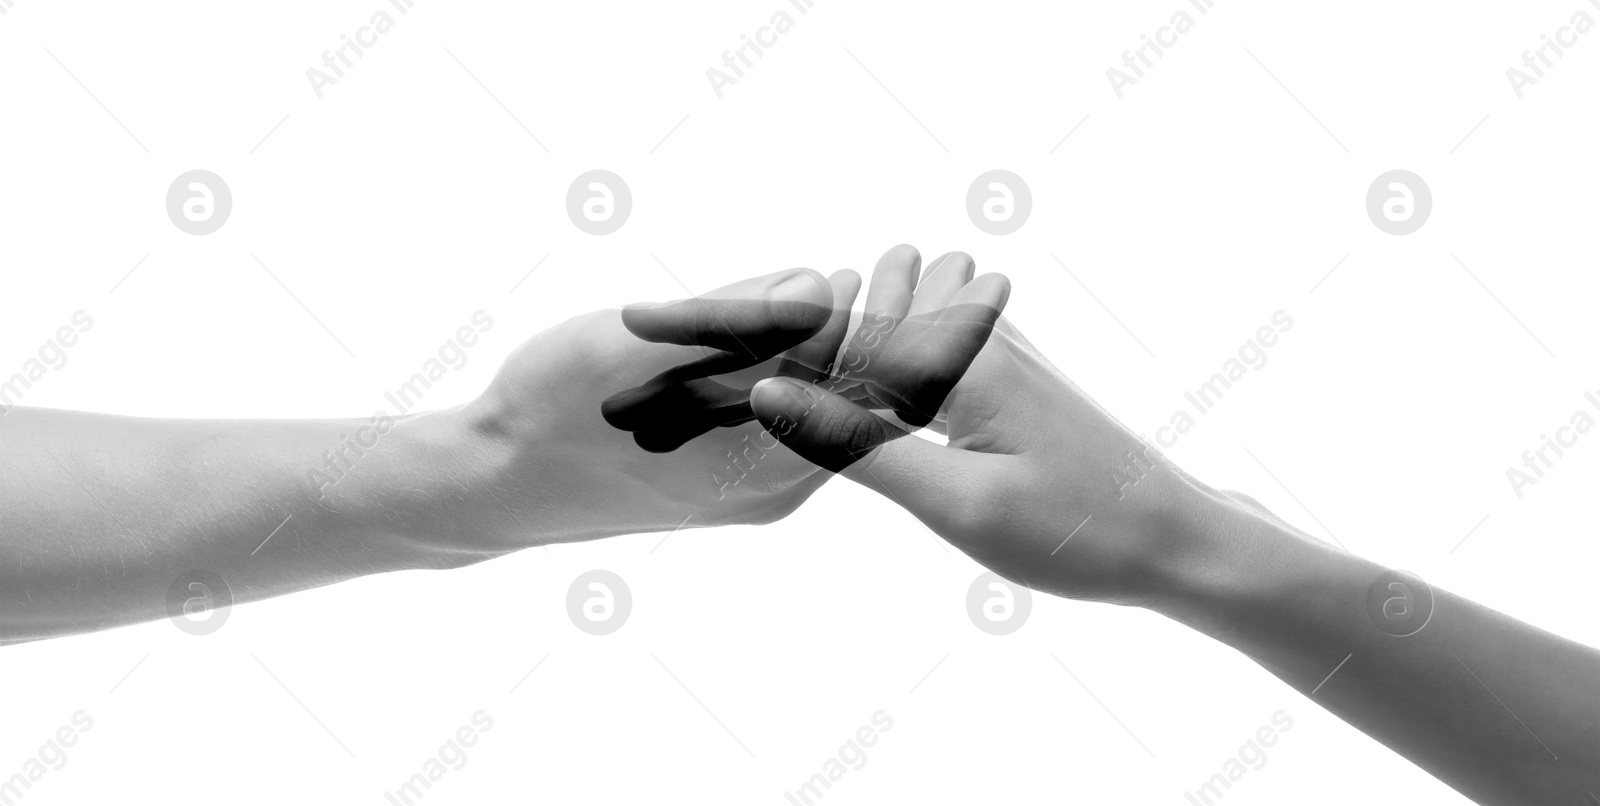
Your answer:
<point x="550" y="393"/>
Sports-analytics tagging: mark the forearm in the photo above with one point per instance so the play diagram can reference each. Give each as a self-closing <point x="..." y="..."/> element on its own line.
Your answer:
<point x="100" y="515"/>
<point x="1500" y="710"/>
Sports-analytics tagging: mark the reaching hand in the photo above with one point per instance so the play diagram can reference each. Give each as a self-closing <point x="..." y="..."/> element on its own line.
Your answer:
<point x="1037" y="482"/>
<point x="1049" y="490"/>
<point x="561" y="469"/>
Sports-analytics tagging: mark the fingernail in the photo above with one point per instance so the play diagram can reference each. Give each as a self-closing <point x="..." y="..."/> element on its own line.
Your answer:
<point x="771" y="395"/>
<point x="799" y="286"/>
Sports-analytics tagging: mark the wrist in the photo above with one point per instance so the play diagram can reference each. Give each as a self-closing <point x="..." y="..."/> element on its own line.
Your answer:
<point x="418" y="490"/>
<point x="1243" y="574"/>
<point x="1205" y="562"/>
<point x="520" y="475"/>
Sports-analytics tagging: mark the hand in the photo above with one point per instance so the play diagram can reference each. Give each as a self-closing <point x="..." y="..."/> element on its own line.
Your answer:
<point x="1038" y="482"/>
<point x="268" y="507"/>
<point x="550" y="468"/>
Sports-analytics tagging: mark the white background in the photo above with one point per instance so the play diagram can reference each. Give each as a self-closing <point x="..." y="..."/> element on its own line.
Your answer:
<point x="1193" y="208"/>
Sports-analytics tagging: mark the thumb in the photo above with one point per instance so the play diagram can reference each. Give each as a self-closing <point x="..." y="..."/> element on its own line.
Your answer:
<point x="836" y="434"/>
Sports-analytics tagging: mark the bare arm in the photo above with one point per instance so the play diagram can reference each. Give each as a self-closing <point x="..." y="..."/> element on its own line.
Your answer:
<point x="1047" y="489"/>
<point x="105" y="520"/>
<point x="1502" y="711"/>
<point x="101" y="515"/>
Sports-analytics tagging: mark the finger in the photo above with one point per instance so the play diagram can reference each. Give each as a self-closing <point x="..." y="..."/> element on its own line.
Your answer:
<point x="813" y="360"/>
<point x="893" y="280"/>
<point x="844" y="438"/>
<point x="700" y="404"/>
<point x="756" y="318"/>
<point x="668" y="434"/>
<point x="741" y="324"/>
<point x="926" y="357"/>
<point x="940" y="282"/>
<point x="987" y="293"/>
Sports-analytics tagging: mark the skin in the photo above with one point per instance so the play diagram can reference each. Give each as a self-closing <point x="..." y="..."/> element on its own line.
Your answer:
<point x="101" y="514"/>
<point x="1500" y="710"/>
